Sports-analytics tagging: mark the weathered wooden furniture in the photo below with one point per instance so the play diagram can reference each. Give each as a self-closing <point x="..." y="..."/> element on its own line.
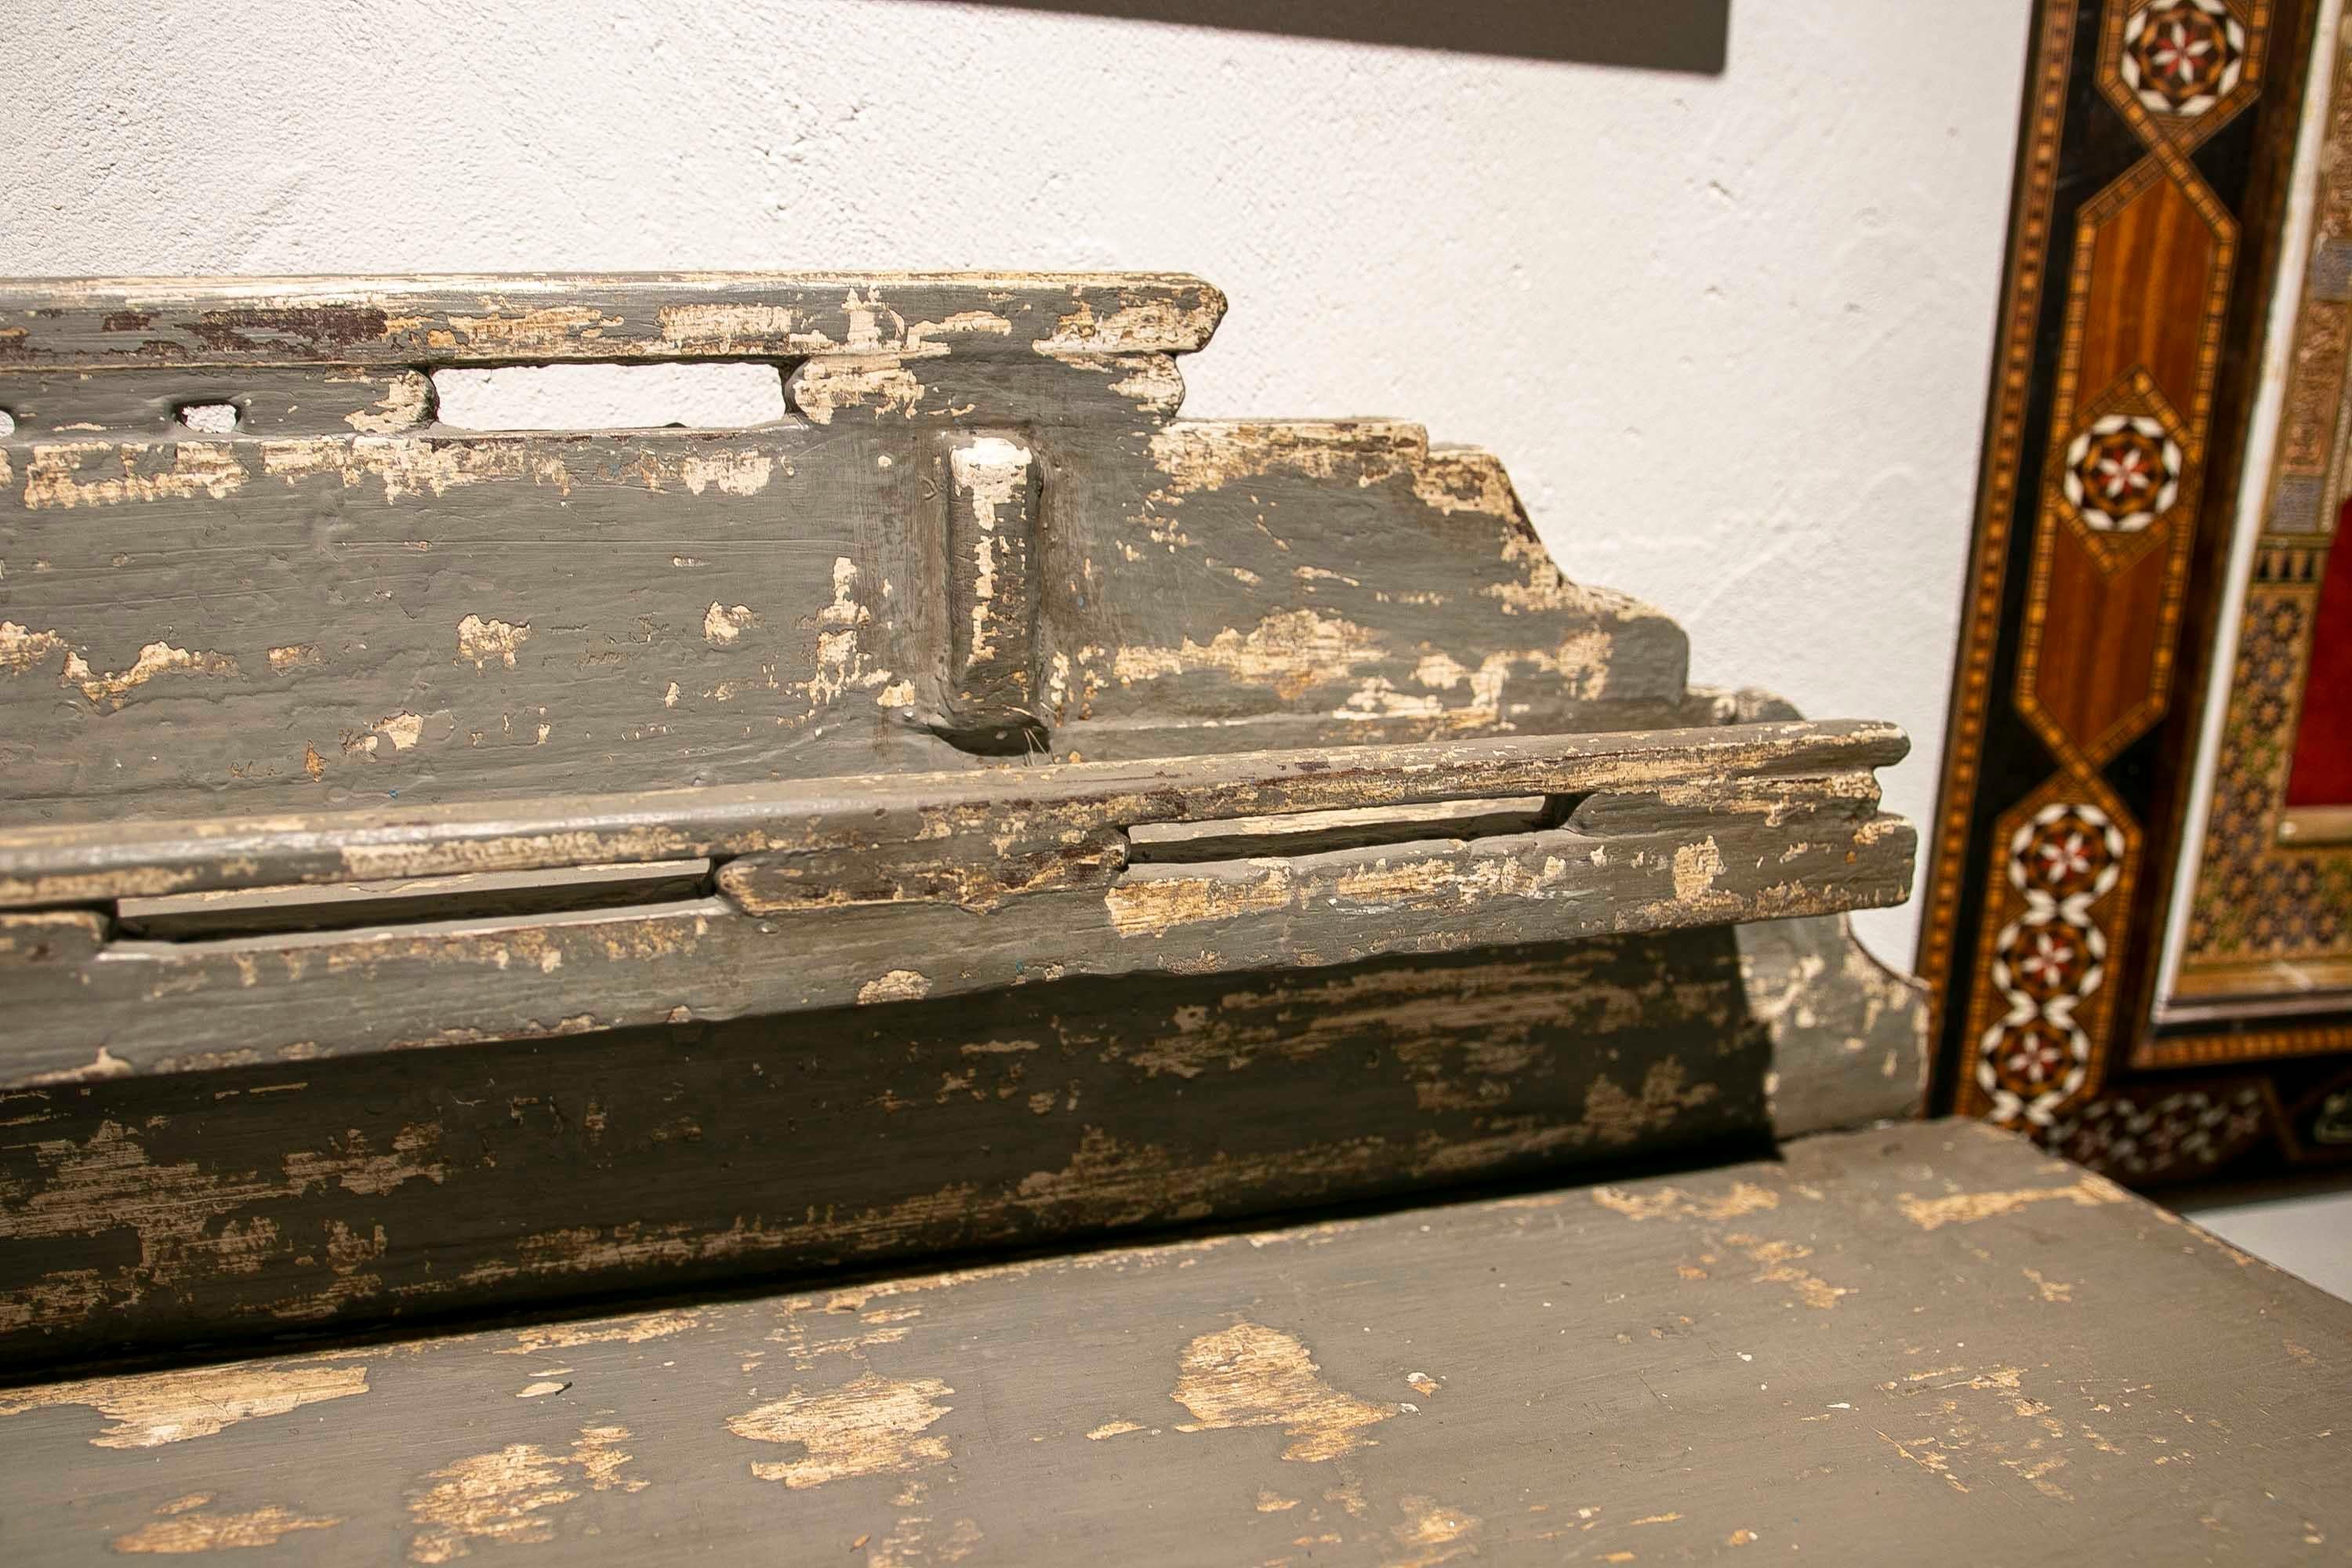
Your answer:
<point x="967" y="812"/>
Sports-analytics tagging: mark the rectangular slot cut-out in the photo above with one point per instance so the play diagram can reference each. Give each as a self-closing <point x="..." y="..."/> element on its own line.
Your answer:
<point x="342" y="906"/>
<point x="209" y="418"/>
<point x="1314" y="832"/>
<point x="721" y="395"/>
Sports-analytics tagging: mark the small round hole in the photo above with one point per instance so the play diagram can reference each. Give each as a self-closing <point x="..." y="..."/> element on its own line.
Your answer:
<point x="7" y="425"/>
<point x="209" y="418"/>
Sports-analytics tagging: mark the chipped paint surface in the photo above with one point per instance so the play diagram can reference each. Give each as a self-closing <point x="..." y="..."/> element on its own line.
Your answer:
<point x="1617" y="1119"/>
<point x="100" y="473"/>
<point x="1139" y="320"/>
<point x="1674" y="1203"/>
<point x="1253" y="1375"/>
<point x="898" y="985"/>
<point x="191" y="1225"/>
<point x="1781" y="1263"/>
<point x="154" y="659"/>
<point x="1291" y="651"/>
<point x="990" y="472"/>
<point x="871" y="1427"/>
<point x="548" y="329"/>
<point x="148" y="1410"/>
<point x="1154" y="906"/>
<point x="824" y="388"/>
<point x="1429" y="1523"/>
<point x="723" y="624"/>
<point x="406" y="400"/>
<point x="629" y="1331"/>
<point x="840" y="662"/>
<point x="718" y="327"/>
<point x="502" y="1497"/>
<point x="482" y="641"/>
<point x="412" y="466"/>
<point x="185" y="1526"/>
<point x="22" y="647"/>
<point x="2089" y="1191"/>
<point x="1464" y="479"/>
<point x="1208" y="455"/>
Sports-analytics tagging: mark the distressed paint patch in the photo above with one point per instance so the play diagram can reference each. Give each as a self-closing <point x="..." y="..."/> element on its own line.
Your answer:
<point x="840" y="663"/>
<point x="191" y="1225"/>
<point x="871" y="1427"/>
<point x="21" y="648"/>
<point x="184" y="1532"/>
<point x="723" y="624"/>
<point x="404" y="406"/>
<point x="415" y="465"/>
<point x="104" y="1065"/>
<point x="825" y="387"/>
<point x="736" y="328"/>
<point x="569" y="1336"/>
<point x="68" y="474"/>
<point x="1466" y="479"/>
<point x="550" y="329"/>
<point x="1253" y="1375"/>
<point x="404" y="730"/>
<point x="154" y="659"/>
<point x="896" y="985"/>
<point x="1613" y="1117"/>
<point x="1291" y="651"/>
<point x="351" y="1164"/>
<point x="1206" y="455"/>
<point x="1674" y="1203"/>
<point x="1778" y="1266"/>
<point x="730" y="473"/>
<point x="1967" y="1208"/>
<point x="294" y="656"/>
<point x="1155" y="905"/>
<point x="150" y="1409"/>
<point x="1152" y="383"/>
<point x="482" y="641"/>
<point x="1144" y="322"/>
<point x="502" y="1497"/>
<point x="1429" y="1523"/>
<point x="1543" y="589"/>
<point x="992" y="472"/>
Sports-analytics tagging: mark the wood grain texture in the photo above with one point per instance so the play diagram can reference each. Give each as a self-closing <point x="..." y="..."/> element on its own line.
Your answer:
<point x="1926" y="1343"/>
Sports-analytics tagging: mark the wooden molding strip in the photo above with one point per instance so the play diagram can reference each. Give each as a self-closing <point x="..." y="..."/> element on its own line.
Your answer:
<point x="399" y="322"/>
<point x="885" y="890"/>
<point x="862" y="818"/>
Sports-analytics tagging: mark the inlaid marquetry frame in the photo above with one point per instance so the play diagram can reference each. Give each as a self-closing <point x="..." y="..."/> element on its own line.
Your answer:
<point x="2143" y="250"/>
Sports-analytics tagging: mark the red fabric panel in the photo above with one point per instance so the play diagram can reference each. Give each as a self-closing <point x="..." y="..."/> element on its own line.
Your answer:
<point x="2322" y="774"/>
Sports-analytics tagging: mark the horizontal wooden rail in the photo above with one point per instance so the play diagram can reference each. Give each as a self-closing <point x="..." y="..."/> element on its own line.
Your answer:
<point x="889" y="889"/>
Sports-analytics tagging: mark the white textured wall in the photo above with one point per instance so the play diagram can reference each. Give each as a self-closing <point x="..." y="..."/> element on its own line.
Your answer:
<point x="1729" y="332"/>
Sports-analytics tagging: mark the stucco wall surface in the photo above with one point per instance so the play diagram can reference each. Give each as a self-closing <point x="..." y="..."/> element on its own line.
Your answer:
<point x="1730" y="332"/>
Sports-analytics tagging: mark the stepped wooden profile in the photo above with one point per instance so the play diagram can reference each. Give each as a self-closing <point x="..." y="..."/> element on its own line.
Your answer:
<point x="965" y="810"/>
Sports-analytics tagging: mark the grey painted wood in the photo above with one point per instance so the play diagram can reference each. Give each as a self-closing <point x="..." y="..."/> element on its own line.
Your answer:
<point x="343" y="643"/>
<point x="921" y="823"/>
<point x="1304" y="832"/>
<point x="150" y="323"/>
<point x="229" y="1199"/>
<point x="883" y="891"/>
<point x="246" y="911"/>
<point x="1925" y="1344"/>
